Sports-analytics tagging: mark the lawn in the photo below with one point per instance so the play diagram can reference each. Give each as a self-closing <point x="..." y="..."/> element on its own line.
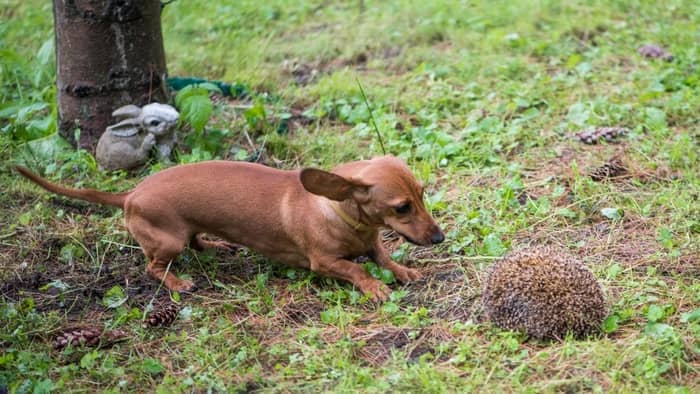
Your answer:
<point x="482" y="99"/>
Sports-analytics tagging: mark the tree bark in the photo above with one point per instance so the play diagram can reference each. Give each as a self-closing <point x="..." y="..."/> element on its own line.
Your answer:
<point x="109" y="53"/>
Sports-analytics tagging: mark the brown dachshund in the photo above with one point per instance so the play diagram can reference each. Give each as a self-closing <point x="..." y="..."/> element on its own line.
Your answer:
<point x="305" y="218"/>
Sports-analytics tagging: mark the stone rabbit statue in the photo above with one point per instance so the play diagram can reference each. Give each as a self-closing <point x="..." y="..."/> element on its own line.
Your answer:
<point x="127" y="144"/>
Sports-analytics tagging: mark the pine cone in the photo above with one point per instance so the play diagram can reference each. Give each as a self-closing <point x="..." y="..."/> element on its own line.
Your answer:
<point x="655" y="52"/>
<point x="112" y="336"/>
<point x="87" y="336"/>
<point x="592" y="136"/>
<point x="611" y="169"/>
<point x="164" y="316"/>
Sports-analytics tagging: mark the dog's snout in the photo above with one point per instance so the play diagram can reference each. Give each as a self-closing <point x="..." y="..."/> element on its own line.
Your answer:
<point x="437" y="237"/>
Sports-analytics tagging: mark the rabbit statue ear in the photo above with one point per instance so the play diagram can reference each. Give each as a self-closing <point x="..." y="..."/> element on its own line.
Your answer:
<point x="127" y="111"/>
<point x="125" y="128"/>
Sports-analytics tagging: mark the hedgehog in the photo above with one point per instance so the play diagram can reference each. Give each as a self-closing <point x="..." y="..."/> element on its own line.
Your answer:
<point x="545" y="293"/>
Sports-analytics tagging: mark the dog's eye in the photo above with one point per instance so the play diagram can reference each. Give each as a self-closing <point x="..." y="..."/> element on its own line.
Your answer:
<point x="403" y="209"/>
<point x="154" y="122"/>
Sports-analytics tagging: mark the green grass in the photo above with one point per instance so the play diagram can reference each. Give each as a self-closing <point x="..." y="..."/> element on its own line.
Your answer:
<point x="480" y="98"/>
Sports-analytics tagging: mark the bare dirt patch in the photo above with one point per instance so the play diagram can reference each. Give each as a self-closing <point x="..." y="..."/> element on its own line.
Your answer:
<point x="375" y="344"/>
<point x="306" y="73"/>
<point x="601" y="163"/>
<point x="36" y="267"/>
<point x="302" y="312"/>
<point x="73" y="288"/>
<point x="632" y="243"/>
<point x="450" y="292"/>
<point x="77" y="207"/>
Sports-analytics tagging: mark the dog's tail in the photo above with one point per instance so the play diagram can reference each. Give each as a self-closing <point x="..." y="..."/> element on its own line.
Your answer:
<point x="113" y="199"/>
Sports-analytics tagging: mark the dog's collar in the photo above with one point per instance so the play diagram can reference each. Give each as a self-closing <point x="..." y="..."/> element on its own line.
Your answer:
<point x="356" y="225"/>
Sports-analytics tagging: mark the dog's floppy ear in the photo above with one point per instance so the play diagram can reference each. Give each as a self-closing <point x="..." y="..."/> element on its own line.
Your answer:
<point x="330" y="185"/>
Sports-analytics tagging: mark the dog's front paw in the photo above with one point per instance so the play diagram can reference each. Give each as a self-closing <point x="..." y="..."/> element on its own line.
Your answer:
<point x="375" y="289"/>
<point x="181" y="285"/>
<point x="405" y="274"/>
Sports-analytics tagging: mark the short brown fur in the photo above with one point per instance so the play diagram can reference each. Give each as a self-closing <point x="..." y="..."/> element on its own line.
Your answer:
<point x="285" y="215"/>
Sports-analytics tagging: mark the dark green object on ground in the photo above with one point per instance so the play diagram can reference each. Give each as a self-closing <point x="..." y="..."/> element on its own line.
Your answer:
<point x="235" y="90"/>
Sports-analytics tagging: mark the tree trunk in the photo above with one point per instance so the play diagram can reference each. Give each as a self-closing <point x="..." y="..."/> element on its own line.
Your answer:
<point x="109" y="53"/>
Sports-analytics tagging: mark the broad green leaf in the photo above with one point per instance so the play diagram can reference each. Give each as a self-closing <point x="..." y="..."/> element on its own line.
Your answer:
<point x="328" y="316"/>
<point x="390" y="307"/>
<point x="25" y="218"/>
<point x="152" y="366"/>
<point x="255" y="114"/>
<point x="43" y="386"/>
<point x="655" y="118"/>
<point x="614" y="270"/>
<point x="578" y="114"/>
<point x="611" y="324"/>
<point x="566" y="212"/>
<point x="187" y="92"/>
<point x="584" y="68"/>
<point x="690" y="317"/>
<point x="659" y="330"/>
<point x="435" y="202"/>
<point x="212" y="87"/>
<point x="240" y="357"/>
<point x="186" y="313"/>
<point x="241" y="155"/>
<point x="46" y="51"/>
<point x="197" y="110"/>
<point x="175" y="295"/>
<point x="380" y="273"/>
<point x="44" y="150"/>
<point x="665" y="237"/>
<point x="612" y="213"/>
<point x="493" y="245"/>
<point x="69" y="252"/>
<point x="655" y="313"/>
<point x="56" y="284"/>
<point x="9" y="110"/>
<point x="26" y="305"/>
<point x="386" y="276"/>
<point x="400" y="253"/>
<point x="573" y="60"/>
<point x="88" y="359"/>
<point x="42" y="126"/>
<point x="372" y="269"/>
<point x="25" y="111"/>
<point x="114" y="297"/>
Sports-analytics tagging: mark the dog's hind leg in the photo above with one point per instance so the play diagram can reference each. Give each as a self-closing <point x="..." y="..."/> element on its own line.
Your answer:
<point x="158" y="269"/>
<point x="161" y="248"/>
<point x="199" y="243"/>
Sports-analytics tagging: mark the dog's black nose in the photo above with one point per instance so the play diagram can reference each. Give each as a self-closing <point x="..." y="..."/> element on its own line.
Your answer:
<point x="437" y="237"/>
